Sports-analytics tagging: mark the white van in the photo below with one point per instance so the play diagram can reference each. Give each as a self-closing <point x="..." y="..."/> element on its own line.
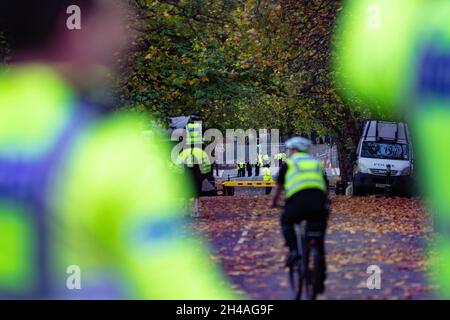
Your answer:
<point x="384" y="159"/>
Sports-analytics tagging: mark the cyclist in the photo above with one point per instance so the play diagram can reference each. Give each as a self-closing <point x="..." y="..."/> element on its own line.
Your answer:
<point x="302" y="179"/>
<point x="78" y="188"/>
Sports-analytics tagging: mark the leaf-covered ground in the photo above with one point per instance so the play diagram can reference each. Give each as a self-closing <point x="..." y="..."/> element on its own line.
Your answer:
<point x="390" y="233"/>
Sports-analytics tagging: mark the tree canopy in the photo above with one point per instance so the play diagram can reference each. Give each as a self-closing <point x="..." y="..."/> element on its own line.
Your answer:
<point x="241" y="64"/>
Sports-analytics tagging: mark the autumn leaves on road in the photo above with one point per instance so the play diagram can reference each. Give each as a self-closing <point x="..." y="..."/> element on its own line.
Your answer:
<point x="363" y="231"/>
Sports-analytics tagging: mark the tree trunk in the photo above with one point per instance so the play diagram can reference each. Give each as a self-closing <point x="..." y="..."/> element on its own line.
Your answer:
<point x="346" y="143"/>
<point x="345" y="163"/>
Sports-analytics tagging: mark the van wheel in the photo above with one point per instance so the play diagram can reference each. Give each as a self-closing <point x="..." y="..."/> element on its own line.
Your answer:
<point x="404" y="192"/>
<point x="357" y="190"/>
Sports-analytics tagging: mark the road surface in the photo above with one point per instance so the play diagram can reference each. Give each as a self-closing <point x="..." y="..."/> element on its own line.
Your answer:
<point x="389" y="233"/>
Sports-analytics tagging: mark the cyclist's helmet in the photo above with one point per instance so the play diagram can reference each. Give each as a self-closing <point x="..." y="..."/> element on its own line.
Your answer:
<point x="299" y="143"/>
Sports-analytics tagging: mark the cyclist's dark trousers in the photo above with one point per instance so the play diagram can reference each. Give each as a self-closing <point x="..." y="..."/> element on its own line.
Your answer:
<point x="309" y="205"/>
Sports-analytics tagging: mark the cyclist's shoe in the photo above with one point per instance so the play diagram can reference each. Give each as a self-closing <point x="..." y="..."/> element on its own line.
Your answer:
<point x="292" y="258"/>
<point x="321" y="288"/>
<point x="321" y="284"/>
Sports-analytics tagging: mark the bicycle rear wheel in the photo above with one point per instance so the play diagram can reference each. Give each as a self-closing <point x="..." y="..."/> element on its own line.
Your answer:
<point x="296" y="279"/>
<point x="313" y="273"/>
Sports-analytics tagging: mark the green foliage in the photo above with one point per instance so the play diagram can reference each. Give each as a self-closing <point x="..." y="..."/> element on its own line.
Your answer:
<point x="242" y="64"/>
<point x="185" y="58"/>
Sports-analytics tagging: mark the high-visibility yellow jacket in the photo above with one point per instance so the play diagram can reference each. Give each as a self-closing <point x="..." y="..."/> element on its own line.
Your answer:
<point x="304" y="172"/>
<point x="192" y="156"/>
<point x="280" y="156"/>
<point x="94" y="194"/>
<point x="267" y="174"/>
<point x="260" y="160"/>
<point x="194" y="133"/>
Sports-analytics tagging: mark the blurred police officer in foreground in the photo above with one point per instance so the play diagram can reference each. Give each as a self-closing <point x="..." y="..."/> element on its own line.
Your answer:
<point x="82" y="192"/>
<point x="395" y="55"/>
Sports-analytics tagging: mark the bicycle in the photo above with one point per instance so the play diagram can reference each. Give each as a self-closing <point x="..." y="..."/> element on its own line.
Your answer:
<point x="305" y="272"/>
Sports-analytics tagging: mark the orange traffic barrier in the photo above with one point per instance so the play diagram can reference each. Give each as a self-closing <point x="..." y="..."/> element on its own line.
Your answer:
<point x="254" y="184"/>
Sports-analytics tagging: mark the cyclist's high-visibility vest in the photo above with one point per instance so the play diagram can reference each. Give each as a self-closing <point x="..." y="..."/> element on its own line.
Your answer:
<point x="304" y="172"/>
<point x="267" y="174"/>
<point x="192" y="156"/>
<point x="194" y="133"/>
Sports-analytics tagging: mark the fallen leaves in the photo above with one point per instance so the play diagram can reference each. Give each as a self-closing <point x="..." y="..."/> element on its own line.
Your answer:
<point x="389" y="232"/>
<point x="381" y="215"/>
